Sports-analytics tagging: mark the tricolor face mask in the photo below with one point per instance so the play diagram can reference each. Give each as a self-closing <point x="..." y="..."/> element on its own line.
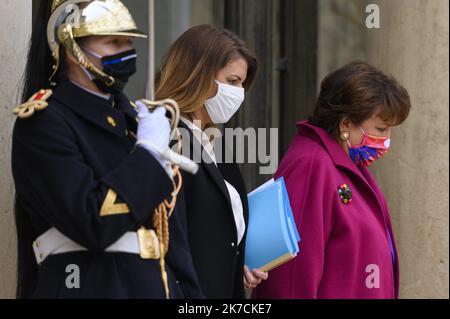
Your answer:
<point x="120" y="66"/>
<point x="372" y="148"/>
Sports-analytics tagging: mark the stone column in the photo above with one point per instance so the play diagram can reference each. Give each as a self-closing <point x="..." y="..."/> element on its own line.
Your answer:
<point x="413" y="45"/>
<point x="15" y="28"/>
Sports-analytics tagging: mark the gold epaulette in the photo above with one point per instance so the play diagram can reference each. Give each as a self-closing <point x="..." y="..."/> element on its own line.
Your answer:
<point x="37" y="102"/>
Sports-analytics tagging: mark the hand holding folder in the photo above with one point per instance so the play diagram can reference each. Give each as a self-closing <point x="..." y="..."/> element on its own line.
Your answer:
<point x="272" y="236"/>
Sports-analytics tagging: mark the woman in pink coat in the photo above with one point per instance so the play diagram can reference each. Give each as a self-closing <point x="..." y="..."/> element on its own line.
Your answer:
<point x="348" y="247"/>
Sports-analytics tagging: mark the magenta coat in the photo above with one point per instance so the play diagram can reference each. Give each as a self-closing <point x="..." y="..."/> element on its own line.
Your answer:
<point x="345" y="249"/>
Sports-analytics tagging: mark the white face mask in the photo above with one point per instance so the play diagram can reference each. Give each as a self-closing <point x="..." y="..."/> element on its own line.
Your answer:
<point x="225" y="104"/>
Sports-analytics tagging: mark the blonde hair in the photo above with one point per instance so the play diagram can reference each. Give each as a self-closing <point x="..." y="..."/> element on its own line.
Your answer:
<point x="193" y="62"/>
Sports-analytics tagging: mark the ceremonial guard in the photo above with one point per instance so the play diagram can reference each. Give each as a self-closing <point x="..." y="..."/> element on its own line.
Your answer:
<point x="95" y="196"/>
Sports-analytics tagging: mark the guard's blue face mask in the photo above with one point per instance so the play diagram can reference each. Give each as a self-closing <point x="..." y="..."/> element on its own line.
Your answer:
<point x="120" y="66"/>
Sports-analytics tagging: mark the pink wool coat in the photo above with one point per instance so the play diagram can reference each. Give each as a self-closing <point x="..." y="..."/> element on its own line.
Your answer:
<point x="346" y="250"/>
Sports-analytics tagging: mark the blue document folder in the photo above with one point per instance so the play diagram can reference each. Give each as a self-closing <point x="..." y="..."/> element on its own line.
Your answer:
<point x="272" y="236"/>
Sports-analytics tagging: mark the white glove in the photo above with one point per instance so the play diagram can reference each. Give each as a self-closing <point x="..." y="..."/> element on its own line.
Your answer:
<point x="153" y="133"/>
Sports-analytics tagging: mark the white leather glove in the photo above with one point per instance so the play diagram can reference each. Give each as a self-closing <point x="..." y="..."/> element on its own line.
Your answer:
<point x="153" y="133"/>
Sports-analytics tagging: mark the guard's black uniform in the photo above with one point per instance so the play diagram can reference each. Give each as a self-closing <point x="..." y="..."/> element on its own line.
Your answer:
<point x="66" y="160"/>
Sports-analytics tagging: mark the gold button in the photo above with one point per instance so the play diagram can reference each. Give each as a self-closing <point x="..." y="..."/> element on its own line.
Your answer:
<point x="37" y="244"/>
<point x="111" y="121"/>
<point x="41" y="256"/>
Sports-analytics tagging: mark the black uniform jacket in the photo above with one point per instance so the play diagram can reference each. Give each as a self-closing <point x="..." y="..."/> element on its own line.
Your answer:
<point x="212" y="234"/>
<point x="76" y="168"/>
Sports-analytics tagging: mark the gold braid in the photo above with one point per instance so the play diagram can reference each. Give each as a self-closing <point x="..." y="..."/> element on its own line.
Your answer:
<point x="161" y="217"/>
<point x="165" y="209"/>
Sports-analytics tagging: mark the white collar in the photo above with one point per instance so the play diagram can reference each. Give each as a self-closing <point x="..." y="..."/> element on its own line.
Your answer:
<point x="201" y="137"/>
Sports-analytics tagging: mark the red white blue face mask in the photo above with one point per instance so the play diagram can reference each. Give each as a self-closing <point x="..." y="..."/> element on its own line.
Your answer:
<point x="372" y="148"/>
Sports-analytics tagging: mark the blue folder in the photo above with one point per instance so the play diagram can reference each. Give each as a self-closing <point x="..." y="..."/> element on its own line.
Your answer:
<point x="272" y="236"/>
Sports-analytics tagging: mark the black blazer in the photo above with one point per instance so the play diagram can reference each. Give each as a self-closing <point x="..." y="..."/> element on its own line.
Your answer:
<point x="211" y="227"/>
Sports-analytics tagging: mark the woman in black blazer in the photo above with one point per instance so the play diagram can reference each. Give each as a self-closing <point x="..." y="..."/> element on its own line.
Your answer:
<point x="207" y="71"/>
